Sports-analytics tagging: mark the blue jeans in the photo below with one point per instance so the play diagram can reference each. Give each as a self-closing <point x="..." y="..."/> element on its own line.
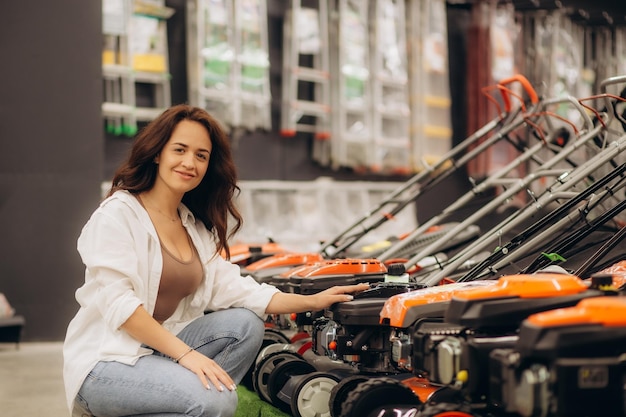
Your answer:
<point x="156" y="386"/>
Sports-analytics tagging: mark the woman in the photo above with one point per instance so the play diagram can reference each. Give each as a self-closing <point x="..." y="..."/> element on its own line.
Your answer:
<point x="141" y="343"/>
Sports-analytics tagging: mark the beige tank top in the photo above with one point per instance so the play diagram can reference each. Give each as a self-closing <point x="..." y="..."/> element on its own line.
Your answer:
<point x="178" y="280"/>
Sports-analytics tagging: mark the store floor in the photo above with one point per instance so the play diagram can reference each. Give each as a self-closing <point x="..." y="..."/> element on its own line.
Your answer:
<point x="31" y="383"/>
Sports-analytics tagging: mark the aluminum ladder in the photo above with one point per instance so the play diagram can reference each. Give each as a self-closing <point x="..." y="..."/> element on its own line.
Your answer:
<point x="228" y="61"/>
<point x="390" y="110"/>
<point x="118" y="106"/>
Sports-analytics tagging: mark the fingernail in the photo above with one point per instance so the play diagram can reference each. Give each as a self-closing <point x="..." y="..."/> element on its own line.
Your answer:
<point x="220" y="388"/>
<point x="208" y="387"/>
<point x="349" y="297"/>
<point x="233" y="387"/>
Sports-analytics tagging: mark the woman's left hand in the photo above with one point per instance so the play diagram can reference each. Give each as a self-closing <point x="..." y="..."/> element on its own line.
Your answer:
<point x="285" y="303"/>
<point x="337" y="294"/>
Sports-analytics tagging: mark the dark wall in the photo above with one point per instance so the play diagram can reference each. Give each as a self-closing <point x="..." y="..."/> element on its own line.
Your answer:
<point x="52" y="153"/>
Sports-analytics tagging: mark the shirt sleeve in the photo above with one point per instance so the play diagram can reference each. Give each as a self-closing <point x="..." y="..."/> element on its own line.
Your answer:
<point x="112" y="277"/>
<point x="231" y="289"/>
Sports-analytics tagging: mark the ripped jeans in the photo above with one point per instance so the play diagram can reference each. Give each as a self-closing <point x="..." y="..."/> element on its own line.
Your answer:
<point x="156" y="386"/>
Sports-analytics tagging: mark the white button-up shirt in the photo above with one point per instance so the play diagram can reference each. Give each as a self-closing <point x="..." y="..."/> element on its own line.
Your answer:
<point x="122" y="255"/>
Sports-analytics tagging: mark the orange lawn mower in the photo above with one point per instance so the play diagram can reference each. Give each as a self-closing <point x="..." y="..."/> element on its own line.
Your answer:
<point x="364" y="349"/>
<point x="297" y="379"/>
<point x="298" y="271"/>
<point x="318" y="276"/>
<point x="394" y="348"/>
<point x="566" y="363"/>
<point x="246" y="253"/>
<point x="287" y="385"/>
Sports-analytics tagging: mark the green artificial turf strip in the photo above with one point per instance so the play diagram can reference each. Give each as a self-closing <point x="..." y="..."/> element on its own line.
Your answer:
<point x="250" y="405"/>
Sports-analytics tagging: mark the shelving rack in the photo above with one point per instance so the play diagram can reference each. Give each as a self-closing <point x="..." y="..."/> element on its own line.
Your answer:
<point x="390" y="111"/>
<point x="306" y="68"/>
<point x="118" y="107"/>
<point x="150" y="56"/>
<point x="352" y="130"/>
<point x="135" y="56"/>
<point x="228" y="61"/>
<point x="306" y="102"/>
<point x="431" y="125"/>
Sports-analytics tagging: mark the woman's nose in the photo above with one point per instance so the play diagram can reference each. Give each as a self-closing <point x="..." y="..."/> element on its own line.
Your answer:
<point x="188" y="161"/>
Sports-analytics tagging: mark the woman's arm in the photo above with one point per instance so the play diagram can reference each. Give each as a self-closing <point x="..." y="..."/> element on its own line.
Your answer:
<point x="143" y="327"/>
<point x="285" y="303"/>
<point x="147" y="330"/>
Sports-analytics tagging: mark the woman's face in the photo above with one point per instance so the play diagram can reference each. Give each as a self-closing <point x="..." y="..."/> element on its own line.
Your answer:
<point x="184" y="159"/>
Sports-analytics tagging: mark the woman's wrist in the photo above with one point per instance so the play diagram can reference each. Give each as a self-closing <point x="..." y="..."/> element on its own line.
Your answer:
<point x="176" y="360"/>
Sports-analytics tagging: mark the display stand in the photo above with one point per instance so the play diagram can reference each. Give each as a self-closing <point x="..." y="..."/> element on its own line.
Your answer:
<point x="118" y="106"/>
<point x="352" y="130"/>
<point x="431" y="125"/>
<point x="305" y="68"/>
<point x="228" y="61"/>
<point x="306" y="76"/>
<point x="134" y="58"/>
<point x="390" y="109"/>
<point x="150" y="57"/>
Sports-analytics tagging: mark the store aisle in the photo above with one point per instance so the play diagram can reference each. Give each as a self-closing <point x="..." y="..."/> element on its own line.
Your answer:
<point x="31" y="382"/>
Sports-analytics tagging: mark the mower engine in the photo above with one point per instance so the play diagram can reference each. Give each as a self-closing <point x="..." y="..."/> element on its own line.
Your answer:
<point x="401" y="348"/>
<point x="351" y="332"/>
<point x="373" y="330"/>
<point x="456" y="350"/>
<point x="567" y="362"/>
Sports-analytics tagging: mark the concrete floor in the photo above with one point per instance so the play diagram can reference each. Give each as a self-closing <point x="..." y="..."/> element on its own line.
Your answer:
<point x="31" y="383"/>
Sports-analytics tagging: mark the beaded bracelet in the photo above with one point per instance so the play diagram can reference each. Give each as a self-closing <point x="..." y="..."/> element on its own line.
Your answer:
<point x="183" y="355"/>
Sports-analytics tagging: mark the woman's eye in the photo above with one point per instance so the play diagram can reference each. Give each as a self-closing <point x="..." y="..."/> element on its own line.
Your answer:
<point x="203" y="156"/>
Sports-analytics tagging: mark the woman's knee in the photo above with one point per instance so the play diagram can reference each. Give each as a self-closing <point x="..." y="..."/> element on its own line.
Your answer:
<point x="248" y="322"/>
<point x="222" y="404"/>
<point x="241" y="323"/>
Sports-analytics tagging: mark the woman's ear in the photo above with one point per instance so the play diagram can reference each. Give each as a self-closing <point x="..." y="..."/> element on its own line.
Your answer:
<point x="156" y="158"/>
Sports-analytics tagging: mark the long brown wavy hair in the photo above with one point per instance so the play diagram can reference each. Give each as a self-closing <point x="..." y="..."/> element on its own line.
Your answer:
<point x="212" y="200"/>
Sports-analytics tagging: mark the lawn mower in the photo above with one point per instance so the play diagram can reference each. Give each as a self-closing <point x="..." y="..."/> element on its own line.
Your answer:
<point x="447" y="344"/>
<point x="320" y="275"/>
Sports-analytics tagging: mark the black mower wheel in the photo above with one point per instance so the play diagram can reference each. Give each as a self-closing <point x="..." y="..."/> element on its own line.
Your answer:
<point x="311" y="396"/>
<point x="264" y="368"/>
<point x="377" y="393"/>
<point x="279" y="376"/>
<point x="271" y="336"/>
<point x="272" y="348"/>
<point x="340" y="392"/>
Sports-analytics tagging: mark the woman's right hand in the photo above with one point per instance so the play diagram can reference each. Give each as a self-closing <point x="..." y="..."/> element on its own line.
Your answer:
<point x="146" y="329"/>
<point x="208" y="371"/>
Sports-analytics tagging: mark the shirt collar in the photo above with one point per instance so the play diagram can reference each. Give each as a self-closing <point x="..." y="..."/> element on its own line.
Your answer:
<point x="185" y="214"/>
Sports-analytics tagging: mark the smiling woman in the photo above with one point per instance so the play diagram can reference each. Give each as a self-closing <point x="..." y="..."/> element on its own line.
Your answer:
<point x="153" y="268"/>
<point x="182" y="164"/>
<point x="198" y="169"/>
